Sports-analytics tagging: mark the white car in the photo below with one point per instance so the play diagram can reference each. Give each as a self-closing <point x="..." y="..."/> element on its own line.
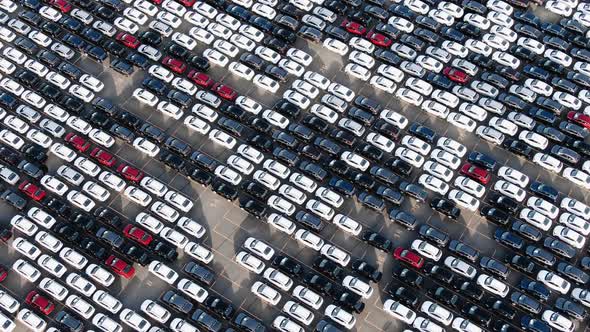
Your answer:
<point x="137" y="195"/>
<point x="153" y="186"/>
<point x="554" y="281"/>
<point x="112" y="181"/>
<point x="163" y="272"/>
<point x="460" y="267"/>
<point x="63" y="152"/>
<point x="38" y="137"/>
<point x="11" y="139"/>
<point x="41" y="217"/>
<point x="250" y="262"/>
<point x="241" y="70"/>
<point x="355" y="160"/>
<point x="24" y="225"/>
<point x="299" y="56"/>
<point x="242" y="42"/>
<point x="543" y="206"/>
<point x="399" y="311"/>
<point x="493" y="285"/>
<point x="73" y="258"/>
<point x="435" y="108"/>
<point x="409" y="96"/>
<point x="266" y="83"/>
<point x="308" y="296"/>
<point x="490" y="134"/>
<point x="80" y="200"/>
<point x="533" y="139"/>
<point x="31" y="320"/>
<point x="347" y="224"/>
<point x="8" y="176"/>
<point x="446" y="158"/>
<point x="335" y="254"/>
<point x="437" y="312"/>
<point x="100" y="275"/>
<point x="107" y="301"/>
<point x="126" y="25"/>
<point x="548" y="162"/>
<point x="470" y="186"/>
<point x="297" y="99"/>
<point x="394" y="118"/>
<point x="577" y="177"/>
<point x="155" y="311"/>
<point x="222" y="138"/>
<point x="381" y="142"/>
<point x="569" y="236"/>
<point x="226" y="48"/>
<point x="150" y="52"/>
<point x="80" y="284"/>
<point x="532" y="45"/>
<point x="266" y="293"/>
<point x="464" y="199"/>
<point x="284" y="324"/>
<point x="26" y="248"/>
<point x="309" y="239"/>
<point x="178" y="201"/>
<point x="357" y="71"/>
<point x="506" y="59"/>
<point x="278" y="279"/>
<point x="54" y="185"/>
<point x="410" y="156"/>
<point x="581" y="295"/>
<point x="96" y="191"/>
<point x="536" y="219"/>
<point x="292" y="67"/>
<point x="522" y="120"/>
<point x="275" y="118"/>
<point x="8" y="303"/>
<point x="329" y="196"/>
<point x="384" y="84"/>
<point x="576" y="207"/>
<point x="193" y="290"/>
<point x="170" y="110"/>
<point x="105" y="323"/>
<point x="427" y="250"/>
<point x="438" y="170"/>
<point x="510" y="189"/>
<point x="51" y="265"/>
<point x="250" y="153"/>
<point x="26" y="270"/>
<point x="433" y="183"/>
<point x="260" y="248"/>
<point x="507" y="127"/>
<point x="341" y="91"/>
<point x="318" y="80"/>
<point x="145" y="97"/>
<point x="340" y="316"/>
<point x="320" y="209"/>
<point x="174" y="237"/>
<point x="169" y="19"/>
<point x="278" y="169"/>
<point x="557" y="320"/>
<point x="559" y="57"/>
<point x="80" y="306"/>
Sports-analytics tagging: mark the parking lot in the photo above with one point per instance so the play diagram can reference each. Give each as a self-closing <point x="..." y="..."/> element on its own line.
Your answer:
<point x="228" y="226"/>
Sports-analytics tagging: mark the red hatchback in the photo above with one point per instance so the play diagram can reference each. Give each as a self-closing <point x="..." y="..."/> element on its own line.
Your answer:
<point x="77" y="142"/>
<point x="40" y="302"/>
<point x="478" y="174"/>
<point x="353" y="27"/>
<point x="408" y="256"/>
<point x="175" y="65"/>
<point x="62" y="5"/>
<point x="120" y="267"/>
<point x="225" y="91"/>
<point x="32" y="190"/>
<point x="579" y="118"/>
<point x="379" y="39"/>
<point x="128" y="40"/>
<point x="130" y="173"/>
<point x="200" y="79"/>
<point x="187" y="3"/>
<point x="103" y="157"/>
<point x="456" y="75"/>
<point x="137" y="234"/>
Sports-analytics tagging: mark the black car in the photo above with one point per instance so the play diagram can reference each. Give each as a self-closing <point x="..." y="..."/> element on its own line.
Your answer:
<point x="69" y="322"/>
<point x="219" y="307"/>
<point x="495" y="79"/>
<point x="544" y="116"/>
<point x="309" y="221"/>
<point x="521" y="263"/>
<point x="302" y="132"/>
<point x="253" y="207"/>
<point x="203" y="161"/>
<point x="349" y="301"/>
<point x="406" y="219"/>
<point x="559" y="247"/>
<point x="154" y="85"/>
<point x="540" y="255"/>
<point x="495" y="215"/>
<point x="390" y="195"/>
<point x="444" y="296"/>
<point x="309" y="33"/>
<point x="405" y="295"/>
<point x="67" y="232"/>
<point x="109" y="217"/>
<point x="513" y="101"/>
<point x="384" y="174"/>
<point x="177" y="302"/>
<point x="163" y="250"/>
<point x="570" y="308"/>
<point x="343" y="187"/>
<point x="122" y="67"/>
<point x="468" y="29"/>
<point x="388" y="57"/>
<point x="438" y="272"/>
<point x="60" y="207"/>
<point x="463" y="250"/>
<point x="453" y="34"/>
<point x="199" y="62"/>
<point x="413" y="190"/>
<point x="206" y="321"/>
<point x="366" y="270"/>
<point x="13" y="199"/>
<point x="526" y="230"/>
<point x="550" y="104"/>
<point x="111" y="238"/>
<point x="433" y="234"/>
<point x="136" y="254"/>
<point x="469" y="289"/>
<point x="482" y="160"/>
<point x="255" y="189"/>
<point x="422" y="132"/>
<point x="446" y="207"/>
<point x="202" y="177"/>
<point x="509" y="239"/>
<point x="573" y="273"/>
<point x="314" y="170"/>
<point x="535" y="288"/>
<point x="574" y="130"/>
<point x="371" y="201"/>
<point x="500" y="307"/>
<point x="409" y="277"/>
<point x="200" y="273"/>
<point x="287" y="265"/>
<point x="529" y="323"/>
<point x="495" y="267"/>
<point x="286" y="21"/>
<point x="329" y="268"/>
<point x="318" y="283"/>
<point x="363" y="117"/>
<point x="525" y="302"/>
<point x="94" y="249"/>
<point x="518" y="147"/>
<point x="173" y="161"/>
<point x="248" y="323"/>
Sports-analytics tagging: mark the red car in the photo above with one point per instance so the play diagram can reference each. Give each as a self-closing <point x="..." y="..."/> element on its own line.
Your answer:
<point x="225" y="91"/>
<point x="456" y="75"/>
<point x="478" y="174"/>
<point x="128" y="40"/>
<point x="120" y="267"/>
<point x="130" y="173"/>
<point x="40" y="302"/>
<point x="157" y="2"/>
<point x="353" y="27"/>
<point x="175" y="65"/>
<point x="62" y="5"/>
<point x="137" y="234"/>
<point x="579" y="118"/>
<point x="408" y="256"/>
<point x="77" y="142"/>
<point x="32" y="190"/>
<point x="103" y="157"/>
<point x="187" y="3"/>
<point x="200" y="79"/>
<point x="379" y="39"/>
<point x="3" y="273"/>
